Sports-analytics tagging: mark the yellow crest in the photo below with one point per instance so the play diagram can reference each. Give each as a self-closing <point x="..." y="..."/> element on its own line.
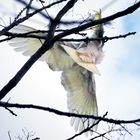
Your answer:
<point x="98" y="15"/>
<point x="98" y="29"/>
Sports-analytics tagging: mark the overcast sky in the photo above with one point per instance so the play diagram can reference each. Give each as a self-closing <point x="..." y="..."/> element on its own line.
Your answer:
<point x="118" y="87"/>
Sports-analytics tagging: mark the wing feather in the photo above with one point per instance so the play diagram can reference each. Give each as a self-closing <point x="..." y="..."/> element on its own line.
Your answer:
<point x="28" y="46"/>
<point x="80" y="85"/>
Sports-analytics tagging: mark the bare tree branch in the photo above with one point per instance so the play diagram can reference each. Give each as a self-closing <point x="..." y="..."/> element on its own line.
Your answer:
<point x="27" y="135"/>
<point x="87" y="39"/>
<point x="57" y="112"/>
<point x="87" y="129"/>
<point x="20" y="20"/>
<point x="11" y="111"/>
<point x="9" y="135"/>
<point x="105" y="39"/>
<point x="48" y="17"/>
<point x="125" y="12"/>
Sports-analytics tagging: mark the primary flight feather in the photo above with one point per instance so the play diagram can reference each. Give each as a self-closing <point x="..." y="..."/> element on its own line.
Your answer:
<point x="77" y="61"/>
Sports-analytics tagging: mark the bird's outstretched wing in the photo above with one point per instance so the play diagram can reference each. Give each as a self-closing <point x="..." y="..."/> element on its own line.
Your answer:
<point x="56" y="57"/>
<point x="81" y="97"/>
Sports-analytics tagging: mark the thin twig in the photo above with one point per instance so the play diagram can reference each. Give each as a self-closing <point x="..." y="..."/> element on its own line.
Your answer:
<point x="10" y="111"/>
<point x="9" y="135"/>
<point x="86" y="129"/>
<point x="28" y="7"/>
<point x="119" y="36"/>
<point x="71" y="22"/>
<point x="20" y="20"/>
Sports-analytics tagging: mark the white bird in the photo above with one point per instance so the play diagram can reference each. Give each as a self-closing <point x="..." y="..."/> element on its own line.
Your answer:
<point x="78" y="65"/>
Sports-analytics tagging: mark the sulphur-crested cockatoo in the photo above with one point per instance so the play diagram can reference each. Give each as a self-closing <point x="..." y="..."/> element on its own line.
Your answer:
<point x="77" y="61"/>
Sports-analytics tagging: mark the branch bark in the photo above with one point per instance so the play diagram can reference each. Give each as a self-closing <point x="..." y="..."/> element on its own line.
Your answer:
<point x="87" y="39"/>
<point x="67" y="114"/>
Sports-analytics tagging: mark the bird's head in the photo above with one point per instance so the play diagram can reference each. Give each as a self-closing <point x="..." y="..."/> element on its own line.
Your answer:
<point x="97" y="29"/>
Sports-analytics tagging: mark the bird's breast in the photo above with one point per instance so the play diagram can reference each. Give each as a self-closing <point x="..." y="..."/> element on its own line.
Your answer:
<point x="90" y="55"/>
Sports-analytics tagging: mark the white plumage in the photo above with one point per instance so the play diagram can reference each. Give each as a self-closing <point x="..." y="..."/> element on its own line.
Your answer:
<point x="78" y="65"/>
